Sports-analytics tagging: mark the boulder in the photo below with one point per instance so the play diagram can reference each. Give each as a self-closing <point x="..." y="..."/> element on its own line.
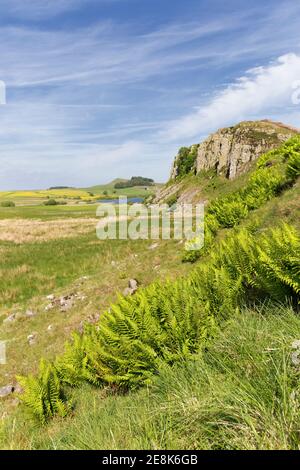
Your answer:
<point x="32" y="338"/>
<point x="6" y="390"/>
<point x="30" y="313"/>
<point x="11" y="318"/>
<point x="133" y="284"/>
<point x="132" y="287"/>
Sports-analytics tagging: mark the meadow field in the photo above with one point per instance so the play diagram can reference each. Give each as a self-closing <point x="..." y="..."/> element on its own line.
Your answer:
<point x="55" y="251"/>
<point x="201" y="356"/>
<point x="75" y="195"/>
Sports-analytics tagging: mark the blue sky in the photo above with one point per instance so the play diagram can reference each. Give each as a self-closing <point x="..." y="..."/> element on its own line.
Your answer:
<point x="98" y="89"/>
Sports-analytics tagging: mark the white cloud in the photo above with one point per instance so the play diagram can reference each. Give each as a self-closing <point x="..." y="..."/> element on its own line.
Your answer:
<point x="261" y="91"/>
<point x="74" y="91"/>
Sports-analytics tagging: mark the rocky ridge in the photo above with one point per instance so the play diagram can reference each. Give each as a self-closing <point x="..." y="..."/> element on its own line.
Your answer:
<point x="230" y="150"/>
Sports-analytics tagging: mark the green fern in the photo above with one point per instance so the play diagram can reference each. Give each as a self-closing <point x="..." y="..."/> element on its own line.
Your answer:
<point x="168" y="321"/>
<point x="43" y="394"/>
<point x="293" y="168"/>
<point x="274" y="171"/>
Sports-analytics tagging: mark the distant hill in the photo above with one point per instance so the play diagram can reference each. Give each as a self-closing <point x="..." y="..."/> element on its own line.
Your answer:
<point x="134" y="181"/>
<point x="60" y="187"/>
<point x="135" y="187"/>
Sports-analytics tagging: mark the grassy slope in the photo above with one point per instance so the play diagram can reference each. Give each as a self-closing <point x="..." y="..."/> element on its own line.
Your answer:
<point x="31" y="271"/>
<point x="47" y="212"/>
<point x="241" y="394"/>
<point x="136" y="191"/>
<point x="76" y="258"/>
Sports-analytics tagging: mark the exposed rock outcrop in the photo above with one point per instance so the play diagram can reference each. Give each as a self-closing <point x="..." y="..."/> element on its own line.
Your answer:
<point x="231" y="150"/>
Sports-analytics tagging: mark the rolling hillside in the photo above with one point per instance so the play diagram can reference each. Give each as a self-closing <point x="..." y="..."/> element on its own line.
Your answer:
<point x="205" y="360"/>
<point x="76" y="195"/>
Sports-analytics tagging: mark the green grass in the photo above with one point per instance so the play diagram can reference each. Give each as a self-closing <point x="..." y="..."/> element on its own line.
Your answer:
<point x="31" y="271"/>
<point x="75" y="195"/>
<point x="41" y="212"/>
<point x="242" y="393"/>
<point x="136" y="191"/>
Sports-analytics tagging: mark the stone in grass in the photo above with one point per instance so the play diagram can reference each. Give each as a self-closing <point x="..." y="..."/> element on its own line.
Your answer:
<point x="133" y="284"/>
<point x="30" y="313"/>
<point x="132" y="287"/>
<point x="6" y="390"/>
<point x="11" y="318"/>
<point x="153" y="246"/>
<point x="49" y="307"/>
<point x="66" y="305"/>
<point x="295" y="356"/>
<point x="9" y="389"/>
<point x="32" y="338"/>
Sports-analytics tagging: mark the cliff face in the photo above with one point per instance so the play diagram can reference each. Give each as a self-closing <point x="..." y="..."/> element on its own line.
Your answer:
<point x="230" y="151"/>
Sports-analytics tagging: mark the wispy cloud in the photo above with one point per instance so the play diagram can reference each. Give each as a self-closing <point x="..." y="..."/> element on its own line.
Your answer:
<point x="115" y="96"/>
<point x="261" y="91"/>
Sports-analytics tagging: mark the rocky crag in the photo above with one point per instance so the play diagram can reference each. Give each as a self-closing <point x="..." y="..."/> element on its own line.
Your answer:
<point x="229" y="152"/>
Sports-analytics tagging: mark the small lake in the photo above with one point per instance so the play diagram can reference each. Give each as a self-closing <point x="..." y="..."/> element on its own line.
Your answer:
<point x="130" y="200"/>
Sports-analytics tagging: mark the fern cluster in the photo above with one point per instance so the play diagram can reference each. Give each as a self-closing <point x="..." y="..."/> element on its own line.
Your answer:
<point x="246" y="267"/>
<point x="44" y="395"/>
<point x="168" y="321"/>
<point x="163" y="322"/>
<point x="274" y="171"/>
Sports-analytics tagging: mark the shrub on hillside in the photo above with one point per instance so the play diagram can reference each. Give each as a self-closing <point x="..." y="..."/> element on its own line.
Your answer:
<point x="185" y="160"/>
<point x="8" y="204"/>
<point x="51" y="202"/>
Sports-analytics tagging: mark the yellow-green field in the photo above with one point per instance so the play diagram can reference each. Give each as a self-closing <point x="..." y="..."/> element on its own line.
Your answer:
<point x="74" y="195"/>
<point x="55" y="250"/>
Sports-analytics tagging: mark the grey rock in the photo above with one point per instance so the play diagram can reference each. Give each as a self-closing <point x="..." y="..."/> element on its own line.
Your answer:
<point x="230" y="150"/>
<point x="11" y="318"/>
<point x="30" y="313"/>
<point x="295" y="358"/>
<point x="132" y="287"/>
<point x="49" y="307"/>
<point x="50" y="297"/>
<point x="127" y="291"/>
<point x="66" y="305"/>
<point x="6" y="390"/>
<point x="32" y="339"/>
<point x="133" y="284"/>
<point x="153" y="246"/>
